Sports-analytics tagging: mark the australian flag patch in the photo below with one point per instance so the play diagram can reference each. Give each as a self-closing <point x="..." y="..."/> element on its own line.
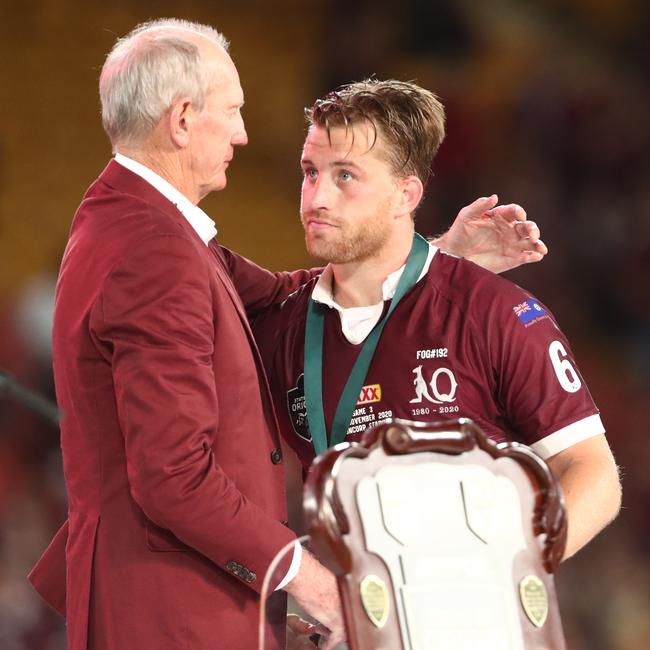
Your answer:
<point x="529" y="311"/>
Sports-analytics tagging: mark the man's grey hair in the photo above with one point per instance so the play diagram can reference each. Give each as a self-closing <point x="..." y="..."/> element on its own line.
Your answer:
<point x="147" y="70"/>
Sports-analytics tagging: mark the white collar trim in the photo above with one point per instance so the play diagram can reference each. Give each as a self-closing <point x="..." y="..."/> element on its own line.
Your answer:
<point x="323" y="290"/>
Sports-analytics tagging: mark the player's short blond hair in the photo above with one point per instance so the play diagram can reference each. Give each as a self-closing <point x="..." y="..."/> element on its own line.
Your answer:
<point x="410" y="119"/>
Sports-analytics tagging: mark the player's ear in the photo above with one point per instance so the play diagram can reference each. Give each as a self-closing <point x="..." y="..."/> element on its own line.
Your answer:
<point x="411" y="191"/>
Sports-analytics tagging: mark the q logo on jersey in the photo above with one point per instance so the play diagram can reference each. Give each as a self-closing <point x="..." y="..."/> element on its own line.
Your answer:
<point x="443" y="386"/>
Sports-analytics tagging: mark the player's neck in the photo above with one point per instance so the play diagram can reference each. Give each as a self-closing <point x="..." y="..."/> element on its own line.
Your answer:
<point x="360" y="283"/>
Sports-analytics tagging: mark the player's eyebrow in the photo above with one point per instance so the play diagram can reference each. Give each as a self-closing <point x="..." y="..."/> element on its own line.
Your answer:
<point x="346" y="163"/>
<point x="305" y="162"/>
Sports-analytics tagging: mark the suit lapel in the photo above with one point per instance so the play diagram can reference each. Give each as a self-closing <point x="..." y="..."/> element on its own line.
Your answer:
<point x="224" y="276"/>
<point x="124" y="180"/>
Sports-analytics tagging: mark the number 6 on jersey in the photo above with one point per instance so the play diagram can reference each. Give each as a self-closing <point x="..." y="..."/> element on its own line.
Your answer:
<point x="566" y="374"/>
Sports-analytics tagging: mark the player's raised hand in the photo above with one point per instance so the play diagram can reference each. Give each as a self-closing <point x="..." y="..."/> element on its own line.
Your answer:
<point x="497" y="238"/>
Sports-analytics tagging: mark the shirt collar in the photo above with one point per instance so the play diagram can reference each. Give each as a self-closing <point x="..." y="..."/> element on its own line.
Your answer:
<point x="202" y="224"/>
<point x="323" y="290"/>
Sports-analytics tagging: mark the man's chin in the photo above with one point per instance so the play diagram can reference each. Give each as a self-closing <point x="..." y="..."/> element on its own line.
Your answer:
<point x="318" y="248"/>
<point x="217" y="184"/>
<point x="327" y="253"/>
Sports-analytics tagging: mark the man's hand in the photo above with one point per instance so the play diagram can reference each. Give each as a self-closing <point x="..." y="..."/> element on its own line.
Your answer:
<point x="299" y="631"/>
<point x="315" y="590"/>
<point x="498" y="238"/>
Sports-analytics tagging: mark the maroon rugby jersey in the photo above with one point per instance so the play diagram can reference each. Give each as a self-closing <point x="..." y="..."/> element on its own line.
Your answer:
<point x="462" y="343"/>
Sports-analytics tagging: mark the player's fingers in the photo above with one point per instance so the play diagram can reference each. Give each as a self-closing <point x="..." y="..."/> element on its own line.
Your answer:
<point x="479" y="207"/>
<point x="527" y="230"/>
<point x="534" y="246"/>
<point x="509" y="212"/>
<point x="528" y="257"/>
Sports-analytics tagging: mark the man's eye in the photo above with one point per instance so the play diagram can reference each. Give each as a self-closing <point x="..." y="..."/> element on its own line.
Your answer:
<point x="346" y="176"/>
<point x="310" y="173"/>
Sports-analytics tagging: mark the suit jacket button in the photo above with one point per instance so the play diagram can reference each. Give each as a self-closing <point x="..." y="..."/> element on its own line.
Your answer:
<point x="276" y="456"/>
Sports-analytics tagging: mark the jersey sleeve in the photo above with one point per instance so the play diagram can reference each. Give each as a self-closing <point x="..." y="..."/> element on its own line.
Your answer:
<point x="267" y="327"/>
<point x="539" y="387"/>
<point x="260" y="288"/>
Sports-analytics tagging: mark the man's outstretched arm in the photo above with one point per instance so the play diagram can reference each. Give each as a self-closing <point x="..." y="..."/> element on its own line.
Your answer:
<point x="498" y="238"/>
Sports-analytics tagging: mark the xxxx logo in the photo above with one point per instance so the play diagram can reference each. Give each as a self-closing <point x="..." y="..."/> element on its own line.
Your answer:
<point x="370" y="394"/>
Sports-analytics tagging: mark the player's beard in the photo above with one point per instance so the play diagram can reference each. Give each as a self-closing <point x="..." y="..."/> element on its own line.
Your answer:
<point x="362" y="239"/>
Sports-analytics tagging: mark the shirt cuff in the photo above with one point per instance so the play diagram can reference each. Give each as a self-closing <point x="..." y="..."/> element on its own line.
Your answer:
<point x="568" y="436"/>
<point x="293" y="568"/>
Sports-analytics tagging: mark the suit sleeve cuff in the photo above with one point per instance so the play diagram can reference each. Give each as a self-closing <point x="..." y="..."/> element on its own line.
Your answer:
<point x="293" y="568"/>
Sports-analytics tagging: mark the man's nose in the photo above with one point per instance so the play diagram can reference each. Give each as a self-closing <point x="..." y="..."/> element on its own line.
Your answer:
<point x="318" y="194"/>
<point x="240" y="138"/>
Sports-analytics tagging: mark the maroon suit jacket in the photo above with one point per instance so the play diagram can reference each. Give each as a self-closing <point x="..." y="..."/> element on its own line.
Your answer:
<point x="169" y="440"/>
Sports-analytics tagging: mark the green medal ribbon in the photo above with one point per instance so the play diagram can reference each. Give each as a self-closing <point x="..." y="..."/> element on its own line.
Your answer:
<point x="314" y="357"/>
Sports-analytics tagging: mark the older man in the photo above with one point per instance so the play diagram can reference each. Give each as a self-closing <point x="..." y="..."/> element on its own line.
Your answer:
<point x="170" y="444"/>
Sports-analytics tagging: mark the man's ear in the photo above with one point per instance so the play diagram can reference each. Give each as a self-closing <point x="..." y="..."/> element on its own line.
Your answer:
<point x="411" y="192"/>
<point x="180" y="117"/>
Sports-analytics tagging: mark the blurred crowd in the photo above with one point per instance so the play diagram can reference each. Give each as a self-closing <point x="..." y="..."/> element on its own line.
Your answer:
<point x="548" y="106"/>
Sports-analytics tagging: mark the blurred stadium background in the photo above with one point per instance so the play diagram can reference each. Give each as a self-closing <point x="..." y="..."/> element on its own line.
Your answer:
<point x="547" y="105"/>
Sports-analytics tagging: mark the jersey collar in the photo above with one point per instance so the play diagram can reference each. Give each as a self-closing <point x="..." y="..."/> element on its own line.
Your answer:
<point x="323" y="290"/>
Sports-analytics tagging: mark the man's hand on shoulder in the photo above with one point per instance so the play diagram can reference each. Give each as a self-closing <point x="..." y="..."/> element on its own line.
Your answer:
<point x="498" y="238"/>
